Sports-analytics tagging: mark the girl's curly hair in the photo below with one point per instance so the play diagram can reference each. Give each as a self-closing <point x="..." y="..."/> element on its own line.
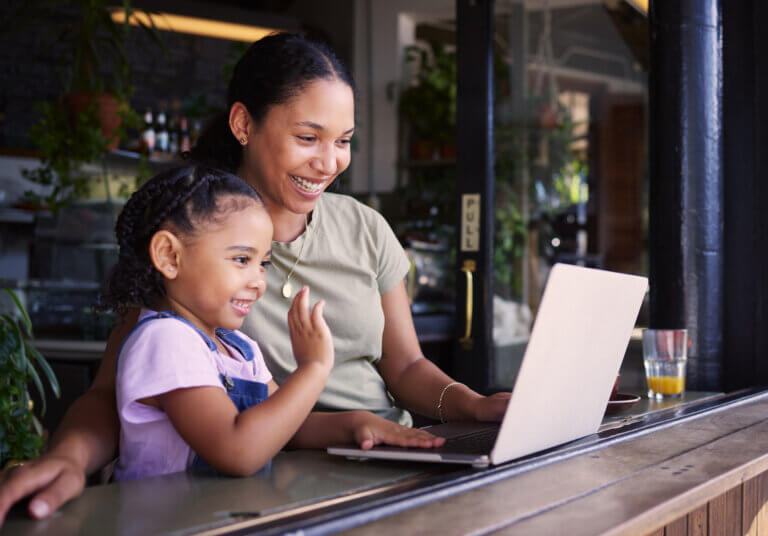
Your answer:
<point x="180" y="197"/>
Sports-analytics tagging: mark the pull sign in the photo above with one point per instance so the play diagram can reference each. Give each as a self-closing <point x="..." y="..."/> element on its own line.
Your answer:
<point x="470" y="222"/>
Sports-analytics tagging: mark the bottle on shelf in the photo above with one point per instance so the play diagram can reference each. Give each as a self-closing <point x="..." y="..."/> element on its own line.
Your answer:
<point x="162" y="137"/>
<point x="148" y="135"/>
<point x="195" y="132"/>
<point x="173" y="134"/>
<point x="184" y="139"/>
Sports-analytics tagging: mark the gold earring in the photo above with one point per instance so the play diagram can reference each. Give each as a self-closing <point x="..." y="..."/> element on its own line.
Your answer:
<point x="243" y="141"/>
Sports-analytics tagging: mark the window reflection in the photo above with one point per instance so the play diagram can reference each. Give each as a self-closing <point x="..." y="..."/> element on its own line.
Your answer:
<point x="569" y="133"/>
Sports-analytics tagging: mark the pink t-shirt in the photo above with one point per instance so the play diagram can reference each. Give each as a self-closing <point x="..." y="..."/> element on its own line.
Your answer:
<point x="160" y="356"/>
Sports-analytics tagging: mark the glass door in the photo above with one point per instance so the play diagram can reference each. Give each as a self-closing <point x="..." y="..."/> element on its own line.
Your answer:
<point x="551" y="163"/>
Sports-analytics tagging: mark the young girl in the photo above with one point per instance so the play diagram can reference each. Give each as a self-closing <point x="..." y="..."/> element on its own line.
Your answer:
<point x="191" y="390"/>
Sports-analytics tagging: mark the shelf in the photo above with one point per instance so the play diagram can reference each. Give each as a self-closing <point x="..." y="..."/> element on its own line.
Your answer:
<point x="16" y="215"/>
<point x="427" y="163"/>
<point x="132" y="157"/>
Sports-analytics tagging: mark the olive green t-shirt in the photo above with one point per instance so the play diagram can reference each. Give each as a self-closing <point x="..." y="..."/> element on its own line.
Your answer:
<point x="350" y="259"/>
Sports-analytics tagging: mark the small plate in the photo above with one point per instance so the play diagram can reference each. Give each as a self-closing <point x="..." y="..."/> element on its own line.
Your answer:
<point x="621" y="402"/>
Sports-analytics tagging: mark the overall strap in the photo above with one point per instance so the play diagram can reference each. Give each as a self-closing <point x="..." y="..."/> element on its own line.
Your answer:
<point x="237" y="342"/>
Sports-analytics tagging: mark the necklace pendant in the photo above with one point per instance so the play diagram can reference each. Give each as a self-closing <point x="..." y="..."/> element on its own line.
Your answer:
<point x="287" y="290"/>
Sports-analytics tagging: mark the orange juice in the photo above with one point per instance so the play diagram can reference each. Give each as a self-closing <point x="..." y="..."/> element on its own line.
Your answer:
<point x="666" y="385"/>
<point x="666" y="377"/>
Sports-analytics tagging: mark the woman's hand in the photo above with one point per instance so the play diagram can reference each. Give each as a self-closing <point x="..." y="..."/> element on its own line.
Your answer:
<point x="369" y="430"/>
<point x="54" y="480"/>
<point x="310" y="337"/>
<point x="490" y="408"/>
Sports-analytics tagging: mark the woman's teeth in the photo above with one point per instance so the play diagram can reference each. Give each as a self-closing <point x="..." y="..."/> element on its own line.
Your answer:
<point x="307" y="186"/>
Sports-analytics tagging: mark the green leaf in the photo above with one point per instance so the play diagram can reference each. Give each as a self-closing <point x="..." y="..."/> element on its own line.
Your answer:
<point x="21" y="309"/>
<point x="46" y="368"/>
<point x="37" y="426"/>
<point x="21" y="361"/>
<point x="39" y="385"/>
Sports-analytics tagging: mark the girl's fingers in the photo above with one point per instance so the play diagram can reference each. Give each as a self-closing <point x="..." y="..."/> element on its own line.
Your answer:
<point x="399" y="436"/>
<point x="294" y="314"/>
<point x="303" y="313"/>
<point x="317" y="314"/>
<point x="365" y="438"/>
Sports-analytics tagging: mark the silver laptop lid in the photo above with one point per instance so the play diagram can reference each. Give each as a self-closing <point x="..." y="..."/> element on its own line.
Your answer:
<point x="582" y="329"/>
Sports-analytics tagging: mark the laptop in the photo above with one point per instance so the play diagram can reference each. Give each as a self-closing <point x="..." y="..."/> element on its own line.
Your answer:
<point x="582" y="329"/>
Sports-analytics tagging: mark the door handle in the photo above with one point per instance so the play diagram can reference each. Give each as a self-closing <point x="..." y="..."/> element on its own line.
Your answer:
<point x="469" y="267"/>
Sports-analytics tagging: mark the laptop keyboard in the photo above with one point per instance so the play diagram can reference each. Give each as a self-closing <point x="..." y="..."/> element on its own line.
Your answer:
<point x="477" y="443"/>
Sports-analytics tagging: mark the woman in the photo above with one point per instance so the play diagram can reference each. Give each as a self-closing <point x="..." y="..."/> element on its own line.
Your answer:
<point x="287" y="133"/>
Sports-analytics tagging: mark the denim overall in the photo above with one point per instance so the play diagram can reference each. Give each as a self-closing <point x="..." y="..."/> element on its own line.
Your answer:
<point x="243" y="393"/>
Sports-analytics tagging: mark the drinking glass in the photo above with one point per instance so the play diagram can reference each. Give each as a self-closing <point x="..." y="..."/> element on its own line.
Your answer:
<point x="665" y="353"/>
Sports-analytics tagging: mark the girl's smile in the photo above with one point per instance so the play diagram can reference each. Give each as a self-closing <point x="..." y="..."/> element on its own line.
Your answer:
<point x="242" y="307"/>
<point x="220" y="272"/>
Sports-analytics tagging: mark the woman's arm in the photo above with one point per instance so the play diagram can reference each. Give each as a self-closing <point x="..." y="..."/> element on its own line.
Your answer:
<point x="85" y="440"/>
<point x="416" y="382"/>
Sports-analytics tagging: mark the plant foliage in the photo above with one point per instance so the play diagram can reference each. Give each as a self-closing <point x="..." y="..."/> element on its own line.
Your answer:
<point x="429" y="105"/>
<point x="21" y="435"/>
<point x="95" y="61"/>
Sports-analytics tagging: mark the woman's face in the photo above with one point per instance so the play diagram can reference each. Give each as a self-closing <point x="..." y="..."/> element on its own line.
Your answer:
<point x="301" y="146"/>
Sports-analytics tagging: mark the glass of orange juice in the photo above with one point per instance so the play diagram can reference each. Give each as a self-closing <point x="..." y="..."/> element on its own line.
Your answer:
<point x="665" y="353"/>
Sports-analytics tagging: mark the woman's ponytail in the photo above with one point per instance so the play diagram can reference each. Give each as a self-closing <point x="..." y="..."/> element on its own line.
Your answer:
<point x="217" y="147"/>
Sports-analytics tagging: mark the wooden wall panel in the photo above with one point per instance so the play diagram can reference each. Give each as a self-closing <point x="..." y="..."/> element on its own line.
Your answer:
<point x="749" y="507"/>
<point x="716" y="516"/>
<point x="741" y="511"/>
<point x="733" y="511"/>
<point x="698" y="522"/>
<point x="762" y="514"/>
<point x="679" y="527"/>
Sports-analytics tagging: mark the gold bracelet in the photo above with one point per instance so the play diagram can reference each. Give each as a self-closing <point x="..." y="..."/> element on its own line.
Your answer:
<point x="440" y="400"/>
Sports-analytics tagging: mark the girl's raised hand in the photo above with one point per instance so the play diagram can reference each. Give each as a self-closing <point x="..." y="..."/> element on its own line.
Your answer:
<point x="310" y="337"/>
<point x="370" y="430"/>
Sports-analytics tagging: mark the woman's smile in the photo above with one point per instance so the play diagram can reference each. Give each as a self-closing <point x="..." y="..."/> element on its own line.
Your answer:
<point x="310" y="187"/>
<point x="300" y="148"/>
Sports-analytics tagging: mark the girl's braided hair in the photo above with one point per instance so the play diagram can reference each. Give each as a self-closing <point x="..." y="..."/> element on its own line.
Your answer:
<point x="180" y="198"/>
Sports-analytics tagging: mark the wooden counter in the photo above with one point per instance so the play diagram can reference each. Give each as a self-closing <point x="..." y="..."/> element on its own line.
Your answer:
<point x="701" y="473"/>
<point x="705" y="475"/>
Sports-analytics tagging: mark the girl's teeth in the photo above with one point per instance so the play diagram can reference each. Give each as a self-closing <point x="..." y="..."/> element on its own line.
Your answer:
<point x="309" y="187"/>
<point x="241" y="304"/>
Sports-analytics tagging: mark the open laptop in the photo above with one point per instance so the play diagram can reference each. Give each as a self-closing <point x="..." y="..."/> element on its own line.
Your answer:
<point x="582" y="329"/>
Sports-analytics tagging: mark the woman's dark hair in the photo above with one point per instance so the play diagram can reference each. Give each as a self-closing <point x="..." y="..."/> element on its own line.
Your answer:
<point x="181" y="198"/>
<point x="272" y="71"/>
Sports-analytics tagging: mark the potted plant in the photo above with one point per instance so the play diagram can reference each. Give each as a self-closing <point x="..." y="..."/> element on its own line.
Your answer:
<point x="95" y="43"/>
<point x="21" y="434"/>
<point x="429" y="105"/>
<point x="93" y="111"/>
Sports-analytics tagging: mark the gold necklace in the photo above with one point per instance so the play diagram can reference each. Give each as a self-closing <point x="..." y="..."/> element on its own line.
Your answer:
<point x="287" y="289"/>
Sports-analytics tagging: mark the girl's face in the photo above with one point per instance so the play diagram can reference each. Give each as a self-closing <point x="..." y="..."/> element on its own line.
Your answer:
<point x="301" y="146"/>
<point x="221" y="268"/>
